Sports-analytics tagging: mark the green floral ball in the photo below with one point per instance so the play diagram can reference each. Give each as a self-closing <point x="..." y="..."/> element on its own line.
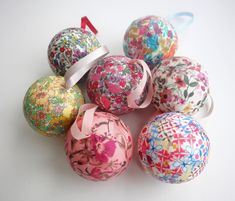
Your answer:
<point x="49" y="107"/>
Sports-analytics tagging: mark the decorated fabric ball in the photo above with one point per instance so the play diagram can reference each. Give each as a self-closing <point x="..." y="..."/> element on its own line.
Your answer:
<point x="69" y="46"/>
<point x="49" y="107"/>
<point x="151" y="39"/>
<point x="105" y="153"/>
<point x="111" y="80"/>
<point x="173" y="147"/>
<point x="180" y="84"/>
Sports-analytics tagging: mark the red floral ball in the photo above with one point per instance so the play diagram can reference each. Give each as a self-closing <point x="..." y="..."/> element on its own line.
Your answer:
<point x="111" y="81"/>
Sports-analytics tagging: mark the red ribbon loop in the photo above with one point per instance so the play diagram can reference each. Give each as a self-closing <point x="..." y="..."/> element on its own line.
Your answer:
<point x="86" y="22"/>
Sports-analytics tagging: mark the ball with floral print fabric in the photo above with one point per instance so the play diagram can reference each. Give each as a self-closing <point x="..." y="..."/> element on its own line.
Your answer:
<point x="151" y="39"/>
<point x="106" y="153"/>
<point x="69" y="46"/>
<point x="173" y="147"/>
<point x="180" y="84"/>
<point x="49" y="107"/>
<point x="111" y="80"/>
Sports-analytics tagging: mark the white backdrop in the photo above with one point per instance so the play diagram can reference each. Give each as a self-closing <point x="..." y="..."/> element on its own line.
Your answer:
<point x="34" y="168"/>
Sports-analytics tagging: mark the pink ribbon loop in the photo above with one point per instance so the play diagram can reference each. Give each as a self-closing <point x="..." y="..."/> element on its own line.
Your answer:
<point x="87" y="121"/>
<point x="79" y="69"/>
<point x="139" y="89"/>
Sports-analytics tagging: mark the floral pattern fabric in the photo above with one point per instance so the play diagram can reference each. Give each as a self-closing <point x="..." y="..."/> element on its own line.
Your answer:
<point x="105" y="153"/>
<point x="173" y="147"/>
<point x="49" y="107"/>
<point x="181" y="85"/>
<point x="151" y="39"/>
<point x="111" y="80"/>
<point x="68" y="46"/>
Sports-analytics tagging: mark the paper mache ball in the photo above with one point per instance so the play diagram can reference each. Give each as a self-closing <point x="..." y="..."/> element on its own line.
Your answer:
<point x="68" y="47"/>
<point x="180" y="84"/>
<point x="111" y="80"/>
<point x="173" y="147"/>
<point x="151" y="39"/>
<point x="106" y="153"/>
<point x="49" y="107"/>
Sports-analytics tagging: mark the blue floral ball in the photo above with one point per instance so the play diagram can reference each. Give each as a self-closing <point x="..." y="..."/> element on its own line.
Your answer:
<point x="173" y="147"/>
<point x="151" y="39"/>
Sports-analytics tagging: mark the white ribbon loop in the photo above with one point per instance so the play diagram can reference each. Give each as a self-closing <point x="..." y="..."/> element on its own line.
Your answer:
<point x="207" y="109"/>
<point x="79" y="69"/>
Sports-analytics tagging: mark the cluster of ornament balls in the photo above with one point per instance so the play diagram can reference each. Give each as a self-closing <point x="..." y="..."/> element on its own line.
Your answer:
<point x="172" y="146"/>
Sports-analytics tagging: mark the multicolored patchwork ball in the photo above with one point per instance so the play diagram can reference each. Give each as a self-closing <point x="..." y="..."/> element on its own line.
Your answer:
<point x="173" y="147"/>
<point x="151" y="39"/>
<point x="106" y="153"/>
<point x="180" y="84"/>
<point x="49" y="107"/>
<point x="69" y="46"/>
<point x="111" y="81"/>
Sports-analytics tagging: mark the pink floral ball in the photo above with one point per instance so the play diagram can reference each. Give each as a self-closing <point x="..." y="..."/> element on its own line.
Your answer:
<point x="111" y="81"/>
<point x="173" y="147"/>
<point x="105" y="153"/>
<point x="180" y="84"/>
